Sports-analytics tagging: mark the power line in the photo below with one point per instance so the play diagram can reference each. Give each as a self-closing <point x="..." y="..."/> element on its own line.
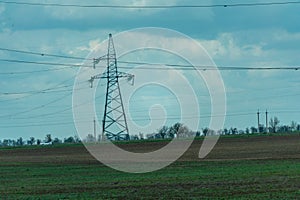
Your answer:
<point x="41" y="63"/>
<point x="37" y="91"/>
<point x="57" y="112"/>
<point x="37" y="107"/>
<point x="54" y="123"/>
<point x="137" y="119"/>
<point x="100" y="96"/>
<point x="31" y="72"/>
<point x="46" y="90"/>
<point x="37" y="125"/>
<point x="43" y="91"/>
<point x="153" y="6"/>
<point x="32" y="94"/>
<point x="201" y="67"/>
<point x="175" y="66"/>
<point x="42" y="54"/>
<point x="148" y="67"/>
<point x="34" y="71"/>
<point x="69" y="108"/>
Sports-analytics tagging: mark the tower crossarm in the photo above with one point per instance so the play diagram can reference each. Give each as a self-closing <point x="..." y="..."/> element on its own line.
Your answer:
<point x="105" y="75"/>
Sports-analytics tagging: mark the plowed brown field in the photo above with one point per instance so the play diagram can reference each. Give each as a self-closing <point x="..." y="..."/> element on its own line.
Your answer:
<point x="264" y="167"/>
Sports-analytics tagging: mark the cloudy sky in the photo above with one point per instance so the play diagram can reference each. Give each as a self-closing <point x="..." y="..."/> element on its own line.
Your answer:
<point x="37" y="99"/>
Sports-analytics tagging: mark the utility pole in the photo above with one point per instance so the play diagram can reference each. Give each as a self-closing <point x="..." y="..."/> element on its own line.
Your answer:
<point x="258" y="124"/>
<point x="95" y="134"/>
<point x="267" y="121"/>
<point x="114" y="124"/>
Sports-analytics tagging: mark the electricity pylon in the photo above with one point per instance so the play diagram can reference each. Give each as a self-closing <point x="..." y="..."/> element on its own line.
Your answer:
<point x="114" y="124"/>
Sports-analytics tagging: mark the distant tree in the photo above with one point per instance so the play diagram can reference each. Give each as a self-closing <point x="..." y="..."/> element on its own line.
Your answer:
<point x="134" y="137"/>
<point x="294" y="125"/>
<point x="205" y="131"/>
<point x="171" y="132"/>
<point x="253" y="129"/>
<point x="5" y="142"/>
<point x="247" y="130"/>
<point x="20" y="142"/>
<point x="274" y="124"/>
<point x="56" y="141"/>
<point x="298" y="127"/>
<point x="226" y="131"/>
<point x="177" y="126"/>
<point x="198" y="133"/>
<point x="31" y="141"/>
<point x="150" y="136"/>
<point x="69" y="140"/>
<point x="48" y="138"/>
<point x="13" y="142"/>
<point x="28" y="142"/>
<point x="184" y="131"/>
<point x="77" y="139"/>
<point x="38" y="141"/>
<point x="141" y="136"/>
<point x="234" y="131"/>
<point x="284" y="129"/>
<point x="163" y="131"/>
<point x="174" y="130"/>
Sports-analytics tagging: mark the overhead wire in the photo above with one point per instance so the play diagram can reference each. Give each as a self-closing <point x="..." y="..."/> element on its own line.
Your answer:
<point x="176" y="66"/>
<point x="131" y="111"/>
<point x="202" y="67"/>
<point x="102" y="95"/>
<point x="54" y="123"/>
<point x="35" y="93"/>
<point x="36" y="107"/>
<point x="225" y="5"/>
<point x="42" y="54"/>
<point x="42" y="63"/>
<point x="182" y="67"/>
<point x="43" y="91"/>
<point x="34" y="71"/>
<point x="57" y="112"/>
<point x="144" y="65"/>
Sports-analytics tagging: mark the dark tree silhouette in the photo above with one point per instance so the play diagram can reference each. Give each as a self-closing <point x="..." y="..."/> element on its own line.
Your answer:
<point x="163" y="131"/>
<point x="274" y="124"/>
<point x="48" y="138"/>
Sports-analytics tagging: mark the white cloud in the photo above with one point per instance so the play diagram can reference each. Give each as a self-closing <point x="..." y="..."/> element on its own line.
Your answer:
<point x="283" y="35"/>
<point x="91" y="46"/>
<point x="73" y="13"/>
<point x="226" y="47"/>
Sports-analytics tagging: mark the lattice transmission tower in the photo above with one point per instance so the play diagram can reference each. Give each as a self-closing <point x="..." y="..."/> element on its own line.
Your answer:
<point x="114" y="124"/>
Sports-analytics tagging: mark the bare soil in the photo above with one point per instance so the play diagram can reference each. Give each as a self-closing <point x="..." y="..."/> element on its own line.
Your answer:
<point x="239" y="148"/>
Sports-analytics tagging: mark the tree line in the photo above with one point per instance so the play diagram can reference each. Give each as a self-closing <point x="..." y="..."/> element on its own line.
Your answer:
<point x="177" y="130"/>
<point x="48" y="140"/>
<point x="180" y="130"/>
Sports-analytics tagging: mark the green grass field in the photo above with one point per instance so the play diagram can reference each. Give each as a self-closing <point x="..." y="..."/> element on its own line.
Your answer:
<point x="259" y="167"/>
